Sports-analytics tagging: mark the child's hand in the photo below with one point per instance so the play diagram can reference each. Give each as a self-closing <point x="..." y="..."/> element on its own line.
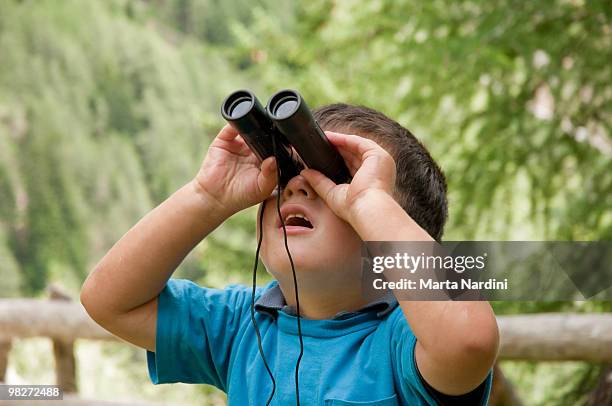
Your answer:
<point x="231" y="176"/>
<point x="372" y="168"/>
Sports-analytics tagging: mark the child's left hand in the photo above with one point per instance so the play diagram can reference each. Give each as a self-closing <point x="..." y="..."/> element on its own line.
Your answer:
<point x="372" y="168"/>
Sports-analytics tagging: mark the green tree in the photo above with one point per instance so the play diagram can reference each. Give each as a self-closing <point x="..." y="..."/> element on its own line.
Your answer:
<point x="101" y="118"/>
<point x="513" y="100"/>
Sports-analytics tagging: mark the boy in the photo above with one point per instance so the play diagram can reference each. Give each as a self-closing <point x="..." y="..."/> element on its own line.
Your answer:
<point x="355" y="353"/>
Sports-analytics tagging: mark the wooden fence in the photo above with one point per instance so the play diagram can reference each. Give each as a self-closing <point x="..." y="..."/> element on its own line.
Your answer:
<point x="535" y="337"/>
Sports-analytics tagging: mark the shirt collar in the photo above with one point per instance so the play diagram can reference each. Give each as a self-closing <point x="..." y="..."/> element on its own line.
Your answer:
<point x="272" y="300"/>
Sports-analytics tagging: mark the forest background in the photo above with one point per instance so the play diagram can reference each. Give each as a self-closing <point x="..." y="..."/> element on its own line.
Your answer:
<point x="107" y="107"/>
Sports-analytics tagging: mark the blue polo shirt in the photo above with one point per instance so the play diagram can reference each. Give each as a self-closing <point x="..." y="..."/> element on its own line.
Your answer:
<point x="205" y="335"/>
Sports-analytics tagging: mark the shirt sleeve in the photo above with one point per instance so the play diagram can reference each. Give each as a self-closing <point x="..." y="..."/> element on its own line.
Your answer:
<point x="196" y="327"/>
<point x="403" y="344"/>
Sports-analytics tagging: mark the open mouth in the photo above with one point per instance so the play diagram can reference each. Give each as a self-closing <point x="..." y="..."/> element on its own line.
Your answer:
<point x="298" y="220"/>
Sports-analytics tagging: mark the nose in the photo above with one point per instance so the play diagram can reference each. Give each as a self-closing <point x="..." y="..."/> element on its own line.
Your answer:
<point x="298" y="186"/>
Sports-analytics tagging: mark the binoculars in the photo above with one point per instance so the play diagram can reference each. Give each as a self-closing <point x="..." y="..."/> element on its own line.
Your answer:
<point x="284" y="125"/>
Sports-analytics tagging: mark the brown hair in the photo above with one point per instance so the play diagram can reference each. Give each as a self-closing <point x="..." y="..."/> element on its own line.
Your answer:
<point x="420" y="185"/>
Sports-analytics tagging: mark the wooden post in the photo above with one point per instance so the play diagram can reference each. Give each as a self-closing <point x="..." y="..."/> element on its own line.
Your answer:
<point x="502" y="391"/>
<point x="5" y="348"/>
<point x="63" y="351"/>
<point x="602" y="395"/>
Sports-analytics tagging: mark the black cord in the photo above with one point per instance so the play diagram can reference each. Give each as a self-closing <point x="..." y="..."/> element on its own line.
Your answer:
<point x="297" y="300"/>
<point x="261" y="213"/>
<point x="295" y="287"/>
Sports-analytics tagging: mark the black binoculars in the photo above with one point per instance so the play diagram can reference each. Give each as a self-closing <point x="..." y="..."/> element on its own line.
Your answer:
<point x="285" y="122"/>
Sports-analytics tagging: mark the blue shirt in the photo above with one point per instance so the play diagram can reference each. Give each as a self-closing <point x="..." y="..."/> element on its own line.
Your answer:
<point x="205" y="335"/>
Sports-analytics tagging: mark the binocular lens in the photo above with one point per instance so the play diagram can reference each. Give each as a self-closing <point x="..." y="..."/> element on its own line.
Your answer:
<point x="284" y="104"/>
<point x="238" y="105"/>
<point x="286" y="120"/>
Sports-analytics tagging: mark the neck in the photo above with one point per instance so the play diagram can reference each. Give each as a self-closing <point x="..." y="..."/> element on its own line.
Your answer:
<point x="322" y="300"/>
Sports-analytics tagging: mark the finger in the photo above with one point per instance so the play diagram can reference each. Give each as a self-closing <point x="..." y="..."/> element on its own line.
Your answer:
<point x="266" y="180"/>
<point x="237" y="146"/>
<point x="268" y="166"/>
<point x="353" y="161"/>
<point x="321" y="184"/>
<point x="346" y="151"/>
<point x="227" y="133"/>
<point x="362" y="148"/>
<point x="240" y="144"/>
<point x="352" y="157"/>
<point x="353" y="143"/>
<point x="239" y="140"/>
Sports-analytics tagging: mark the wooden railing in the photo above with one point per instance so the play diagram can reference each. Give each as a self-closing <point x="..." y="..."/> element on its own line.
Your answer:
<point x="63" y="321"/>
<point x="535" y="337"/>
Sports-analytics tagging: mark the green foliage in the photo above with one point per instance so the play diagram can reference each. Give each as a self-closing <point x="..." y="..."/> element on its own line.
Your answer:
<point x="566" y="383"/>
<point x="107" y="107"/>
<point x="101" y="118"/>
<point x="205" y="20"/>
<point x="513" y="99"/>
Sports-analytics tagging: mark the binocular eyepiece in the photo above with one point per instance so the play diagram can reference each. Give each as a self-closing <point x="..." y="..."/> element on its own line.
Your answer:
<point x="284" y="123"/>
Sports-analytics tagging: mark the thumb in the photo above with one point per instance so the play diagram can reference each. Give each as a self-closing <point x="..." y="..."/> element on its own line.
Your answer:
<point x="266" y="180"/>
<point x="320" y="183"/>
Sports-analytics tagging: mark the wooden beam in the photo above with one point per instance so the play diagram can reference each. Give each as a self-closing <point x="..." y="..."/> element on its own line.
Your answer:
<point x="536" y="337"/>
<point x="20" y="318"/>
<point x="557" y="337"/>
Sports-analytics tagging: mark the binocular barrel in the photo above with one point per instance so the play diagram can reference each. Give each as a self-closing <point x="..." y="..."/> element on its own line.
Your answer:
<point x="290" y="114"/>
<point x="243" y="111"/>
<point x="286" y="121"/>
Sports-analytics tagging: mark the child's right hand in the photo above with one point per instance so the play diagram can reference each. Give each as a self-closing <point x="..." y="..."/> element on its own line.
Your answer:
<point x="232" y="176"/>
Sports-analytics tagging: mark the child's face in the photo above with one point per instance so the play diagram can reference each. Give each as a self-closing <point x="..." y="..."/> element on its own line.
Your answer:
<point x="320" y="243"/>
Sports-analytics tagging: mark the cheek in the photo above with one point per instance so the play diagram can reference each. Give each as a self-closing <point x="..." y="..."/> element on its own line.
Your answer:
<point x="269" y="217"/>
<point x="346" y="237"/>
<point x="340" y="242"/>
<point x="269" y="222"/>
<point x="336" y="243"/>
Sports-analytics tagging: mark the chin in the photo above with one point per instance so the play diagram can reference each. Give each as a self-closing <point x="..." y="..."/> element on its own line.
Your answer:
<point x="312" y="252"/>
<point x="304" y="259"/>
<point x="307" y="260"/>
